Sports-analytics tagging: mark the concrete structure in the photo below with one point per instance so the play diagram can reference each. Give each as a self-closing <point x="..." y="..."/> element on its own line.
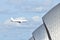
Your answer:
<point x="50" y="29"/>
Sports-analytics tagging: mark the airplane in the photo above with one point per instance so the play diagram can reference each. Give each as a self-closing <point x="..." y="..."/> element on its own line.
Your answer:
<point x="18" y="20"/>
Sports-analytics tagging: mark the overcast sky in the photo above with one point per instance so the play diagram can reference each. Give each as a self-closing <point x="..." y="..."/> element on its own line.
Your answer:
<point x="32" y="10"/>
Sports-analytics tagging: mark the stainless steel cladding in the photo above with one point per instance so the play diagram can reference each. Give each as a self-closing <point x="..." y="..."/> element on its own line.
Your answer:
<point x="50" y="29"/>
<point x="31" y="38"/>
<point x="40" y="33"/>
<point x="52" y="21"/>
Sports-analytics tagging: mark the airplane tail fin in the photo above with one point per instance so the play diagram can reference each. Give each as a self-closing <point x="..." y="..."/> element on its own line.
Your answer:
<point x="12" y="19"/>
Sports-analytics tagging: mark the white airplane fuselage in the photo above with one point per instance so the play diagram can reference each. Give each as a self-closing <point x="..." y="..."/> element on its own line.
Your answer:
<point x="18" y="20"/>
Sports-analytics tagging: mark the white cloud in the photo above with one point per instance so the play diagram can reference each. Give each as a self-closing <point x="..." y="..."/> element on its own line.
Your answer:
<point x="15" y="24"/>
<point x="30" y="24"/>
<point x="34" y="9"/>
<point x="9" y="24"/>
<point x="20" y="18"/>
<point x="47" y="2"/>
<point x="36" y="18"/>
<point x="37" y="9"/>
<point x="31" y="1"/>
<point x="16" y="1"/>
<point x="25" y="6"/>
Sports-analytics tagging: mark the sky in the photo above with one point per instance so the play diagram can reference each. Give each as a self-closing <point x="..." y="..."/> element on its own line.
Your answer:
<point x="32" y="10"/>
